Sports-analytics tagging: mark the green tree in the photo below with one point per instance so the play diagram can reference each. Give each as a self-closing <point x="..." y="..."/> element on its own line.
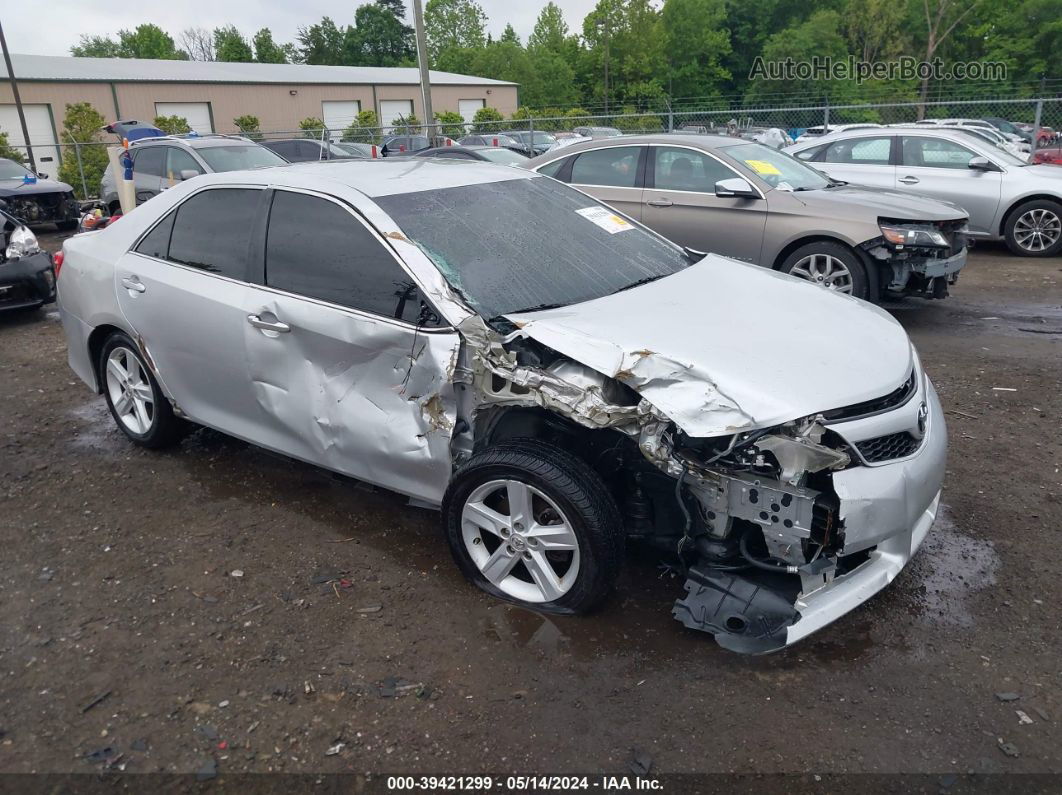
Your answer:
<point x="695" y="41"/>
<point x="312" y="127"/>
<point x="451" y="123"/>
<point x="625" y="59"/>
<point x="321" y="43"/>
<point x="453" y="25"/>
<point x="407" y="125"/>
<point x="364" y="129"/>
<point x="266" y="50"/>
<point x="553" y="54"/>
<point x="378" y="37"/>
<point x="172" y="125"/>
<point x="487" y="120"/>
<point x="10" y="152"/>
<point x="96" y="47"/>
<point x="248" y="125"/>
<point x="82" y="123"/>
<point x="230" y="45"/>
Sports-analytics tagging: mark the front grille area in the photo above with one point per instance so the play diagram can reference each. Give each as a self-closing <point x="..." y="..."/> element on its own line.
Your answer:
<point x="888" y="447"/>
<point x="895" y="398"/>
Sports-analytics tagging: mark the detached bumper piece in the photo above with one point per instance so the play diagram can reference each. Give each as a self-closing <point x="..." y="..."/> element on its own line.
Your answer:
<point x="27" y="281"/>
<point x="744" y="616"/>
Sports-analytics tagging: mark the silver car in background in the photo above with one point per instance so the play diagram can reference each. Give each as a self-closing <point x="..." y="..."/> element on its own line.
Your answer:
<point x="555" y="378"/>
<point x="749" y="201"/>
<point x="1005" y="197"/>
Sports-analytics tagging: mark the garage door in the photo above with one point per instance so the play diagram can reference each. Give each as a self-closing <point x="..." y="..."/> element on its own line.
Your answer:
<point x="338" y="115"/>
<point x="41" y="134"/>
<point x="468" y="107"/>
<point x="391" y="109"/>
<point x="197" y="114"/>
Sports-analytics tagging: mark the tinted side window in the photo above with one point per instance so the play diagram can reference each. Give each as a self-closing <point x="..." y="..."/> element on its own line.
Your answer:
<point x="318" y="249"/>
<point x="809" y="154"/>
<point x="157" y="242"/>
<point x="213" y="230"/>
<point x="151" y="161"/>
<point x="685" y="169"/>
<point x="285" y="148"/>
<point x="552" y="169"/>
<point x="616" y="166"/>
<point x="860" y="151"/>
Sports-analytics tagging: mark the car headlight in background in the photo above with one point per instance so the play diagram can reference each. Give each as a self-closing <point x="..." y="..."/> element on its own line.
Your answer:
<point x="913" y="236"/>
<point x="22" y="243"/>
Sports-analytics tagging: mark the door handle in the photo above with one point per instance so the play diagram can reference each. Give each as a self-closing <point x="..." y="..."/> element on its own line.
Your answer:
<point x="909" y="180"/>
<point x="660" y="203"/>
<point x="257" y="322"/>
<point x="133" y="283"/>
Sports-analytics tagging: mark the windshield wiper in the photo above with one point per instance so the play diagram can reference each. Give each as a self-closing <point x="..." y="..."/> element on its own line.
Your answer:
<point x="536" y="308"/>
<point x="640" y="282"/>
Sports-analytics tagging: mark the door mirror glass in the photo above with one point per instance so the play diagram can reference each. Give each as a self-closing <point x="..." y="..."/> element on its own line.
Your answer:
<point x="188" y="173"/>
<point x="736" y="188"/>
<point x="981" y="164"/>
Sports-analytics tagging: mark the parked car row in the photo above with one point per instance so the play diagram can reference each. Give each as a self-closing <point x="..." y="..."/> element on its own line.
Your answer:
<point x="554" y="376"/>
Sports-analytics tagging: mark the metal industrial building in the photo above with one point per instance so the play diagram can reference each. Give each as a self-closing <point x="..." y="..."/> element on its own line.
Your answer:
<point x="210" y="94"/>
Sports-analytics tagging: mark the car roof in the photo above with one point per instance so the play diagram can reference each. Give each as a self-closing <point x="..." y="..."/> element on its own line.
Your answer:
<point x="934" y="130"/>
<point x="383" y="177"/>
<point x="704" y="141"/>
<point x="193" y="141"/>
<point x="458" y="148"/>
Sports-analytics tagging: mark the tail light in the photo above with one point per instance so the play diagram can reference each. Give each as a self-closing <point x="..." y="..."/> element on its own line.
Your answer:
<point x="57" y="261"/>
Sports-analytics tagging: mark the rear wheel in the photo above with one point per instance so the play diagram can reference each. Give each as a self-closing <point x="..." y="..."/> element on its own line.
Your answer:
<point x="530" y="523"/>
<point x="1034" y="229"/>
<point x="133" y="395"/>
<point x="829" y="265"/>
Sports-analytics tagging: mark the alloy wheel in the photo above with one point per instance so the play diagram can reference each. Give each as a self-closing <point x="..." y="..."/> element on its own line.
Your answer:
<point x="824" y="270"/>
<point x="130" y="391"/>
<point x="1037" y="229"/>
<point x="520" y="541"/>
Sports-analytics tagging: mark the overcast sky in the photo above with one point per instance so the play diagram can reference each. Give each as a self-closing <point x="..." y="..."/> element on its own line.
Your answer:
<point x="50" y="28"/>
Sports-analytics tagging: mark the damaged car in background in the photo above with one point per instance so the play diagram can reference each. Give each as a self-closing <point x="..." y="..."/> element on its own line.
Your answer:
<point x="748" y="201"/>
<point x="35" y="199"/>
<point x="406" y="323"/>
<point x="27" y="277"/>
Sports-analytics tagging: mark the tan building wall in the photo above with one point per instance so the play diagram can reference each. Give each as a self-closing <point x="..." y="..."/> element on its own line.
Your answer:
<point x="277" y="106"/>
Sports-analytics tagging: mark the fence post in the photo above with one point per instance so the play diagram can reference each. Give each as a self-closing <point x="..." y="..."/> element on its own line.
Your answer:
<point x="80" y="168"/>
<point x="670" y="118"/>
<point x="826" y="118"/>
<point x="1036" y="128"/>
<point x="321" y="155"/>
<point x="531" y="130"/>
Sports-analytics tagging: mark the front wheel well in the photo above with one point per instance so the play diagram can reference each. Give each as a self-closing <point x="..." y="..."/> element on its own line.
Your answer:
<point x="803" y="241"/>
<point x="874" y="273"/>
<point x="96" y="339"/>
<point x="1039" y="197"/>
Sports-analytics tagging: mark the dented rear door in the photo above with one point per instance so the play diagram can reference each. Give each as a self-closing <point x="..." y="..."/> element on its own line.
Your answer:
<point x="350" y="368"/>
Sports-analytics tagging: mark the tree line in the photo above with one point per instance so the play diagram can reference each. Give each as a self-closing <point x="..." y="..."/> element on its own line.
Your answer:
<point x="643" y="53"/>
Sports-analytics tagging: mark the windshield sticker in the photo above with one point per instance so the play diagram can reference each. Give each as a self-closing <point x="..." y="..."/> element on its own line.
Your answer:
<point x="608" y="221"/>
<point x="763" y="167"/>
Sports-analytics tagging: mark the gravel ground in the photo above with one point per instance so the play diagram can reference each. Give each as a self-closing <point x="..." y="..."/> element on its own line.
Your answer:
<point x="218" y="607"/>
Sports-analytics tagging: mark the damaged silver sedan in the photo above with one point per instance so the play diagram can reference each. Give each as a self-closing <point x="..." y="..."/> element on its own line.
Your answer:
<point x="554" y="377"/>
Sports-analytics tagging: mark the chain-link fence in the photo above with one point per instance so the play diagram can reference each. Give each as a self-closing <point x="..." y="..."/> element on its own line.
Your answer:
<point x="82" y="164"/>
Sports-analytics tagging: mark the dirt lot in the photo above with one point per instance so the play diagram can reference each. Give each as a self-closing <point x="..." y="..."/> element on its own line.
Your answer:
<point x="217" y="605"/>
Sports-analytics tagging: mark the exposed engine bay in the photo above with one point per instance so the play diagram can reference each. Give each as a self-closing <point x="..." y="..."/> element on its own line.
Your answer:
<point x="751" y="519"/>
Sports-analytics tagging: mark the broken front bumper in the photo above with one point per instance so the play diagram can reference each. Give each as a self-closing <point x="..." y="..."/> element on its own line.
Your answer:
<point x="887" y="510"/>
<point x="27" y="281"/>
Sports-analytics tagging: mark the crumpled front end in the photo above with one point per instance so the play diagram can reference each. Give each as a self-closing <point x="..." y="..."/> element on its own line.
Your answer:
<point x="833" y="544"/>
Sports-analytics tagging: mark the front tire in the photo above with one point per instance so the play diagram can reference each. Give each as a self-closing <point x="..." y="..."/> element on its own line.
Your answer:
<point x="133" y="395"/>
<point x="532" y="524"/>
<point x="829" y="265"/>
<point x="1034" y="229"/>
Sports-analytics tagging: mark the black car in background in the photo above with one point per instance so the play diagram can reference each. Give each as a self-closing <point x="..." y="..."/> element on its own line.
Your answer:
<point x="542" y="142"/>
<point x="35" y="199"/>
<point x="489" y="154"/>
<point x="399" y="145"/>
<point x="27" y="277"/>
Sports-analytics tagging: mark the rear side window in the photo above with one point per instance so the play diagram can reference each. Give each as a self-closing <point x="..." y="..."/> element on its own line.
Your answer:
<point x="860" y="151"/>
<point x="212" y="231"/>
<point x="157" y="241"/>
<point x="616" y="166"/>
<point x="318" y="249"/>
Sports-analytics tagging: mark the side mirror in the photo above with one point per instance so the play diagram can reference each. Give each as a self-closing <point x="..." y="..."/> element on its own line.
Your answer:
<point x="981" y="164"/>
<point x="42" y="175"/>
<point x="735" y="188"/>
<point x="188" y="173"/>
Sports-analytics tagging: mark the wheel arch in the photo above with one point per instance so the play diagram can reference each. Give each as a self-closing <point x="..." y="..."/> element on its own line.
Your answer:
<point x="1014" y="205"/>
<point x="793" y="245"/>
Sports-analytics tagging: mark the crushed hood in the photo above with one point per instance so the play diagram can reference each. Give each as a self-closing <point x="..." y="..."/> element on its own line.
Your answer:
<point x="724" y="346"/>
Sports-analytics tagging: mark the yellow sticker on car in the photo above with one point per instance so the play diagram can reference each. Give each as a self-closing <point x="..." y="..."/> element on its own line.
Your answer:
<point x="763" y="167"/>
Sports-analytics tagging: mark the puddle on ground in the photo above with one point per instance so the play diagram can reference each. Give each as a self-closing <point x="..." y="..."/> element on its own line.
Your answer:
<point x="94" y="428"/>
<point x="952" y="566"/>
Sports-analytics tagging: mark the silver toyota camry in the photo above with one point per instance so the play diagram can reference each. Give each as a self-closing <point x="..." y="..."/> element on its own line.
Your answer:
<point x="1007" y="198"/>
<point x="555" y="378"/>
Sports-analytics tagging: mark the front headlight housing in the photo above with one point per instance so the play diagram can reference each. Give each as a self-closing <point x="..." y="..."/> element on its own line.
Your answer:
<point x="22" y="243"/>
<point x="902" y="235"/>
